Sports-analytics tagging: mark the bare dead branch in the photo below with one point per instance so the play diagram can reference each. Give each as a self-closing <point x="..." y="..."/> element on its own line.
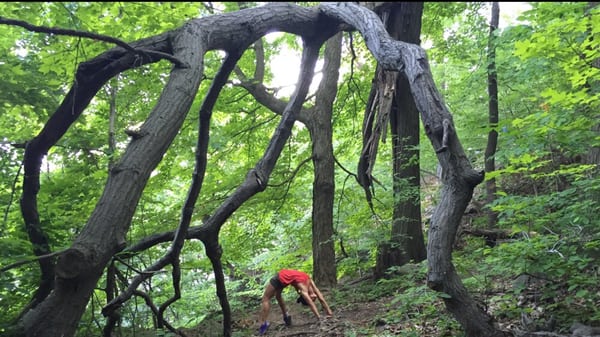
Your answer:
<point x="293" y="174"/>
<point x="12" y="194"/>
<point x="93" y="36"/>
<point x="31" y="260"/>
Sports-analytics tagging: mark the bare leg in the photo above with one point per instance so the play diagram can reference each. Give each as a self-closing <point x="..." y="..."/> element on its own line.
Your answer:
<point x="281" y="302"/>
<point x="265" y="305"/>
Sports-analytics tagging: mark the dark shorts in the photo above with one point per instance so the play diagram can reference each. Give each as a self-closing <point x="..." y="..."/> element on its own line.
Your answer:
<point x="276" y="283"/>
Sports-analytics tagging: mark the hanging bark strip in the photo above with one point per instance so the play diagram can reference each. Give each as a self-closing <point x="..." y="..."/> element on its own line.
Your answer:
<point x="459" y="177"/>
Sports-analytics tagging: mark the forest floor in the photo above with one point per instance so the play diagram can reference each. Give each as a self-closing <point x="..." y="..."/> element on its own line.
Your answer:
<point x="365" y="308"/>
<point x="353" y="319"/>
<point x="400" y="306"/>
<point x="355" y="314"/>
<point x="348" y="320"/>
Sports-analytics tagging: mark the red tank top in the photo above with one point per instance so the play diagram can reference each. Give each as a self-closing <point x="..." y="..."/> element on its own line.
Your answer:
<point x="287" y="276"/>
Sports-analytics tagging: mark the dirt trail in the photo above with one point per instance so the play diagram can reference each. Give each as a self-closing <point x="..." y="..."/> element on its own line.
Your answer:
<point x="354" y="316"/>
<point x="346" y="320"/>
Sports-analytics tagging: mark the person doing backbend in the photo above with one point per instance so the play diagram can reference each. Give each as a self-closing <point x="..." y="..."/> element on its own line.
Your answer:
<point x="304" y="285"/>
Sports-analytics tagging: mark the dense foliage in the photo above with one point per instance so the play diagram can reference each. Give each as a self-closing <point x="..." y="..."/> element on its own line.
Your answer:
<point x="548" y="186"/>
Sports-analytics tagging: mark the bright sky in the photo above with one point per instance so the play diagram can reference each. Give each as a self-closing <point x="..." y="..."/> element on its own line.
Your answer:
<point x="286" y="65"/>
<point x="286" y="68"/>
<point x="509" y="11"/>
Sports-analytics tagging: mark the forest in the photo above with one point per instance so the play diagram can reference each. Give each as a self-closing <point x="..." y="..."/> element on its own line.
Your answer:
<point x="433" y="166"/>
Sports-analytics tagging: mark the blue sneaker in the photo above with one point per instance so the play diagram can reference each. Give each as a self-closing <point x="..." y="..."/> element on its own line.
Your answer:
<point x="263" y="328"/>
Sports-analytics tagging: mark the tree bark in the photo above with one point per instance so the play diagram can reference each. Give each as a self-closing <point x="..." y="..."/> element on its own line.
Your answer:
<point x="492" y="143"/>
<point x="318" y="122"/>
<point x="406" y="242"/>
<point x="321" y="132"/>
<point x="458" y="177"/>
<point x="80" y="267"/>
<point x="593" y="155"/>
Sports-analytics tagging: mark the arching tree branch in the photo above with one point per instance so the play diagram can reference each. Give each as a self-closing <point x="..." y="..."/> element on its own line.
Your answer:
<point x="93" y="36"/>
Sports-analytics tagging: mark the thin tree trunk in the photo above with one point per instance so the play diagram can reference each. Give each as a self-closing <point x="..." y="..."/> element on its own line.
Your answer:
<point x="321" y="131"/>
<point x="406" y="228"/>
<point x="403" y="22"/>
<point x="492" y="143"/>
<point x="111" y="270"/>
<point x="593" y="156"/>
<point x="318" y="122"/>
<point x="112" y="119"/>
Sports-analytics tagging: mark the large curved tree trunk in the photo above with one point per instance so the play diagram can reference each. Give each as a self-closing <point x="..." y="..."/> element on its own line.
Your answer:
<point x="458" y="176"/>
<point x="80" y="267"/>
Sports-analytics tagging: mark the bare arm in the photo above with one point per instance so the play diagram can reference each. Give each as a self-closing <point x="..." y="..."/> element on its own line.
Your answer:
<point x="311" y="304"/>
<point x="321" y="298"/>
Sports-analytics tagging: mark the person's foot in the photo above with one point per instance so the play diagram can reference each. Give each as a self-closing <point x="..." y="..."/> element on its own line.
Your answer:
<point x="287" y="319"/>
<point x="263" y="328"/>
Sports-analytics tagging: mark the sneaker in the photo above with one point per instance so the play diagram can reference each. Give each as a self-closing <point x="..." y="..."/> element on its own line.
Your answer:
<point x="287" y="319"/>
<point x="263" y="328"/>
